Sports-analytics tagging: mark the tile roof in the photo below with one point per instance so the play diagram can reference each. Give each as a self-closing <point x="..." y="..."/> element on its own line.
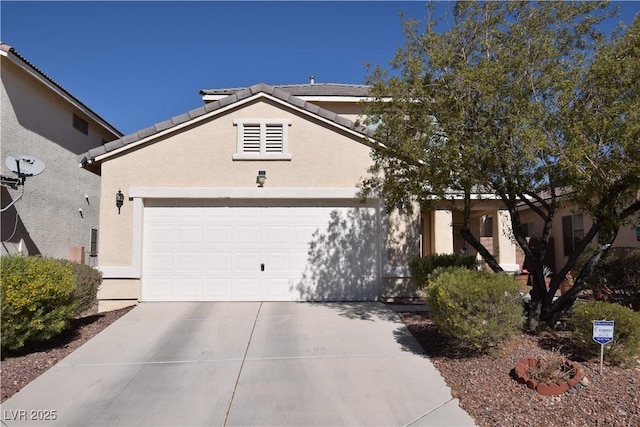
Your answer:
<point x="315" y="89"/>
<point x="8" y="49"/>
<point x="235" y="96"/>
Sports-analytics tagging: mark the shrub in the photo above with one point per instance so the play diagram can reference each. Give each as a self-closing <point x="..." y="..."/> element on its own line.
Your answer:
<point x="626" y="332"/>
<point x="87" y="282"/>
<point x="617" y="276"/>
<point x="36" y="299"/>
<point x="480" y="309"/>
<point x="422" y="268"/>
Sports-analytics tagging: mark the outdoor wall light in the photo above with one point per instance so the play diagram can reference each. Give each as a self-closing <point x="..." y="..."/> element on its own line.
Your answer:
<point x="261" y="178"/>
<point x="119" y="200"/>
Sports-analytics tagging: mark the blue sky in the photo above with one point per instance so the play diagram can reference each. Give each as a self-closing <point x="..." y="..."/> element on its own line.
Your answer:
<point x="139" y="63"/>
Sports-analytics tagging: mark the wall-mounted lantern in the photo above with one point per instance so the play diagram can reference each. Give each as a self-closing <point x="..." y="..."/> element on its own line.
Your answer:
<point x="261" y="178"/>
<point x="119" y="200"/>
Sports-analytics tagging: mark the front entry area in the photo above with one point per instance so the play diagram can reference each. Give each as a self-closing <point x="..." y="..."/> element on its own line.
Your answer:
<point x="257" y="250"/>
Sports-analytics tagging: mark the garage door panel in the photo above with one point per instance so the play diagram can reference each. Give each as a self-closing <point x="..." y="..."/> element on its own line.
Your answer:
<point x="247" y="289"/>
<point x="156" y="289"/>
<point x="188" y="262"/>
<point x="217" y="213"/>
<point x="189" y="235"/>
<point x="218" y="235"/>
<point x="160" y="235"/>
<point x="277" y="261"/>
<point x="218" y="262"/>
<point x="248" y="235"/>
<point x="278" y="289"/>
<point x="276" y="235"/>
<point x="247" y="262"/>
<point x="217" y="289"/>
<point x="310" y="250"/>
<point x="276" y="212"/>
<point x="189" y="214"/>
<point x="187" y="288"/>
<point x="159" y="261"/>
<point x="303" y="235"/>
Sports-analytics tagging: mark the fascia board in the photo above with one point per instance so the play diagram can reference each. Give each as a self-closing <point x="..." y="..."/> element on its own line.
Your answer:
<point x="223" y="110"/>
<point x="38" y="76"/>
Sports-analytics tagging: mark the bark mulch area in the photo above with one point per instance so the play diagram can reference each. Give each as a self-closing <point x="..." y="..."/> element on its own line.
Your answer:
<point x="20" y="368"/>
<point x="488" y="392"/>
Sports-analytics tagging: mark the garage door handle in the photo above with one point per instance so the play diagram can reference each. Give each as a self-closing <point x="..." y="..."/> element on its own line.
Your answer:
<point x="261" y="267"/>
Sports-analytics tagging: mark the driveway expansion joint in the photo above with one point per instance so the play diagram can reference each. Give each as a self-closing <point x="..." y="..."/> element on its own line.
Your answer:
<point x="428" y="413"/>
<point x="244" y="358"/>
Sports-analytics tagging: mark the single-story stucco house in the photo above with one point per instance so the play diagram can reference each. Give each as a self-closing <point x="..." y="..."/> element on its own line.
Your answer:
<point x="255" y="197"/>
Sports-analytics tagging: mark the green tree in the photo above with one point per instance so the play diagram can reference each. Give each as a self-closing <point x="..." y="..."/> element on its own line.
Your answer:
<point x="496" y="103"/>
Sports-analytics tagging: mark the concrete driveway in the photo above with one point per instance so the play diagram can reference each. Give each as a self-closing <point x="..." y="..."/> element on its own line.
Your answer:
<point x="243" y="364"/>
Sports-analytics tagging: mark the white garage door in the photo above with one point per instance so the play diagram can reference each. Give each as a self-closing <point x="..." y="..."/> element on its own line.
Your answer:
<point x="239" y="251"/>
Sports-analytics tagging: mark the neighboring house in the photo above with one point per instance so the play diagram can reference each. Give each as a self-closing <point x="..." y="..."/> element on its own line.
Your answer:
<point x="569" y="228"/>
<point x="57" y="215"/>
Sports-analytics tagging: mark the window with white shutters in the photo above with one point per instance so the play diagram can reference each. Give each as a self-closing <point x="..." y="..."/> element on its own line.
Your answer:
<point x="262" y="139"/>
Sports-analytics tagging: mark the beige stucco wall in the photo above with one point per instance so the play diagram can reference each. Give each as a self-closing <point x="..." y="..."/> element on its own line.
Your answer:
<point x="201" y="156"/>
<point x="349" y="110"/>
<point x="626" y="236"/>
<point x="37" y="121"/>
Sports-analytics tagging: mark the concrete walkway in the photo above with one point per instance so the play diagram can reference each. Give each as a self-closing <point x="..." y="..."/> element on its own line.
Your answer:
<point x="243" y="364"/>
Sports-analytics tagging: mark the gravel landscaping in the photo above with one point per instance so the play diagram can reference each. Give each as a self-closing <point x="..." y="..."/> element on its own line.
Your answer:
<point x="483" y="384"/>
<point x="488" y="392"/>
<point x="18" y="370"/>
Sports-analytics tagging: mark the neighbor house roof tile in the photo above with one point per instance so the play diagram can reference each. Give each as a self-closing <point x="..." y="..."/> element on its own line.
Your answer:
<point x="315" y="89"/>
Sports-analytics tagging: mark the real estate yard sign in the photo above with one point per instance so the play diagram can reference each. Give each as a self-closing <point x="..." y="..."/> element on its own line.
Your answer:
<point x="602" y="334"/>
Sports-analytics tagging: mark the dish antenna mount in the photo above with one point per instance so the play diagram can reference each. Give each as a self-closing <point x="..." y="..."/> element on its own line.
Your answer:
<point x="23" y="166"/>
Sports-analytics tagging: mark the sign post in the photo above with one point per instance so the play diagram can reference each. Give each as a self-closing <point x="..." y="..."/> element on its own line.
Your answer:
<point x="602" y="334"/>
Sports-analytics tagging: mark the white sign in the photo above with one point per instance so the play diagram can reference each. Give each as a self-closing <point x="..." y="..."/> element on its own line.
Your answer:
<point x="603" y="331"/>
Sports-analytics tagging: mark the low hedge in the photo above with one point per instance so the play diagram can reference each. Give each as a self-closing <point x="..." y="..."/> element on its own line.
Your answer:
<point x="625" y="347"/>
<point x="87" y="281"/>
<point x="422" y="268"/>
<point x="478" y="309"/>
<point x="36" y="299"/>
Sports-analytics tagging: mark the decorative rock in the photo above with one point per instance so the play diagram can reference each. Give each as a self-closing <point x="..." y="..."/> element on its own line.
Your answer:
<point x="584" y="382"/>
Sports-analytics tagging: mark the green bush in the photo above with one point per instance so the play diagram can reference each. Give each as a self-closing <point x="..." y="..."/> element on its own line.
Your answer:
<point x="626" y="332"/>
<point x="422" y="268"/>
<point x="479" y="309"/>
<point x="87" y="281"/>
<point x="617" y="276"/>
<point x="36" y="299"/>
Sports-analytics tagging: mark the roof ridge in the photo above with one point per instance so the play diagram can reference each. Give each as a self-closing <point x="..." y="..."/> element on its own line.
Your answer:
<point x="294" y="85"/>
<point x="235" y="97"/>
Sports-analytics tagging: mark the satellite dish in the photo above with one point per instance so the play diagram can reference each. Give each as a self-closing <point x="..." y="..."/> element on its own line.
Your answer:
<point x="24" y="166"/>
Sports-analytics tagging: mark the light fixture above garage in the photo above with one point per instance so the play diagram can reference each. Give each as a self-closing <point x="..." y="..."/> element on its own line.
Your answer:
<point x="119" y="200"/>
<point x="261" y="178"/>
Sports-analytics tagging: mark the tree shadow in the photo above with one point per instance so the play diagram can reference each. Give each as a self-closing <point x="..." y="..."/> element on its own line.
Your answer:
<point x="421" y="329"/>
<point x="341" y="260"/>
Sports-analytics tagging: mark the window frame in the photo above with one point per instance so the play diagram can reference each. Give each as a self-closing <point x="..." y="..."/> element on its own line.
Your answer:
<point x="572" y="232"/>
<point x="262" y="154"/>
<point x="80" y="124"/>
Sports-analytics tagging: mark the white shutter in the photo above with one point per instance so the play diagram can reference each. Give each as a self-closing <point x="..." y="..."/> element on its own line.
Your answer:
<point x="251" y="138"/>
<point x="274" y="138"/>
<point x="262" y="139"/>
